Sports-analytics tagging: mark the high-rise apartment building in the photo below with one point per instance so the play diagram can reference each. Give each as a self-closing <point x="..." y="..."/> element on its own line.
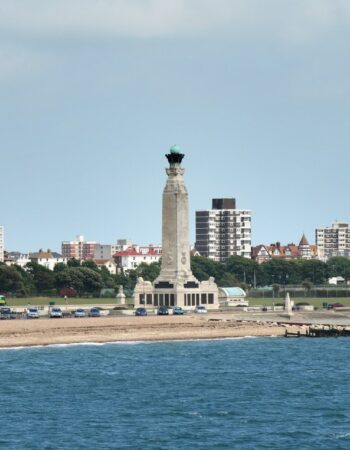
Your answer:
<point x="1" y="243"/>
<point x="223" y="231"/>
<point x="79" y="249"/>
<point x="333" y="241"/>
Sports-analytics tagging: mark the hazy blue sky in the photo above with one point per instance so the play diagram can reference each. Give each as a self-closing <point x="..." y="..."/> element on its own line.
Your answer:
<point x="93" y="93"/>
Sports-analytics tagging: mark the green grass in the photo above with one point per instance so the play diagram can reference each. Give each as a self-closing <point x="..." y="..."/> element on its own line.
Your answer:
<point x="44" y="301"/>
<point x="315" y="301"/>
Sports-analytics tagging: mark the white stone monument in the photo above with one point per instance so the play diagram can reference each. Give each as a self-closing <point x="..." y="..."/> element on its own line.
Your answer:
<point x="176" y="285"/>
<point x="121" y="295"/>
<point x="288" y="305"/>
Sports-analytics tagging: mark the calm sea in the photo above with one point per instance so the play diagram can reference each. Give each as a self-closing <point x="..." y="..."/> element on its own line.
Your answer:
<point x="265" y="393"/>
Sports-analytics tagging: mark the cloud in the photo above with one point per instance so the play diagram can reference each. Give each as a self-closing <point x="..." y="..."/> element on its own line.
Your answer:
<point x="297" y="19"/>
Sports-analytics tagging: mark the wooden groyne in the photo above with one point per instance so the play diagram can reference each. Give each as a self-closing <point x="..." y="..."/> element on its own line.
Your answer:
<point x="326" y="331"/>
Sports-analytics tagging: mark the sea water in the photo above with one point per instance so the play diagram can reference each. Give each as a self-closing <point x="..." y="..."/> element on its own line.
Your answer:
<point x="263" y="393"/>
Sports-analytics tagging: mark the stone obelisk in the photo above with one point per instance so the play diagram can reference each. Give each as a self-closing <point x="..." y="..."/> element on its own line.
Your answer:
<point x="176" y="264"/>
<point x="175" y="285"/>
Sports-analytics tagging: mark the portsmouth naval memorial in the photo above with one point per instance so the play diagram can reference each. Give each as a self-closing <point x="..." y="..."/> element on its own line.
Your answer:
<point x="176" y="285"/>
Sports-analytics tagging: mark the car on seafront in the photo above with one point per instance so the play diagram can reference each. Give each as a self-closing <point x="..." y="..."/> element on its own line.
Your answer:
<point x="200" y="309"/>
<point x="94" y="312"/>
<point x="32" y="313"/>
<point x="177" y="310"/>
<point x="335" y="305"/>
<point x="162" y="311"/>
<point x="56" y="313"/>
<point x="141" y="312"/>
<point x="80" y="313"/>
<point x="7" y="313"/>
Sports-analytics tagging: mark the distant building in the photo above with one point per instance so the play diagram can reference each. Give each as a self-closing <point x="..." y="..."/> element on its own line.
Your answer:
<point x="333" y="241"/>
<point x="304" y="250"/>
<point x="20" y="259"/>
<point x="79" y="249"/>
<point x="103" y="251"/>
<point x="121" y="245"/>
<point x="1" y="243"/>
<point x="47" y="259"/>
<point x="232" y="296"/>
<point x="336" y="280"/>
<point x="110" y="265"/>
<point x="132" y="257"/>
<point x="223" y="231"/>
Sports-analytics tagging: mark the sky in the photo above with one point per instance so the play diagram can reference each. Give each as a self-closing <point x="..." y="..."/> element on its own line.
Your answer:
<point x="94" y="92"/>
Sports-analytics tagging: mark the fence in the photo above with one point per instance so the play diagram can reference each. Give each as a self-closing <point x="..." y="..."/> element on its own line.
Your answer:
<point x="298" y="292"/>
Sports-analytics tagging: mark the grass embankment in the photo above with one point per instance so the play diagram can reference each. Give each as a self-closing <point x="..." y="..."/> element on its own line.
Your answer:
<point x="315" y="301"/>
<point x="44" y="301"/>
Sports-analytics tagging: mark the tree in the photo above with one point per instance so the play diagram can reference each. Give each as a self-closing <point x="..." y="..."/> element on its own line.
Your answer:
<point x="11" y="281"/>
<point x="81" y="279"/>
<point x="203" y="268"/>
<point x="312" y="270"/>
<point x="228" y="280"/>
<point x="280" y="271"/>
<point x="59" y="266"/>
<point x="92" y="280"/>
<point x="276" y="289"/>
<point x="70" y="278"/>
<point x="307" y="285"/>
<point x="43" y="278"/>
<point x="108" y="279"/>
<point x="73" y="262"/>
<point x="338" y="266"/>
<point x="148" y="272"/>
<point x="244" y="269"/>
<point x="90" y="264"/>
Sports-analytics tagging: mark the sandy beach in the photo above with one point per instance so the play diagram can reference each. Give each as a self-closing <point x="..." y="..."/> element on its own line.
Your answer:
<point x="14" y="333"/>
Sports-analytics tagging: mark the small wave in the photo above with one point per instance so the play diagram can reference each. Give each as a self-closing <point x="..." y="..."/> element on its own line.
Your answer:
<point x="342" y="436"/>
<point x="152" y="341"/>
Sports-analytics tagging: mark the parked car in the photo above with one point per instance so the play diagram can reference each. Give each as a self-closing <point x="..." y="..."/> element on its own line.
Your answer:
<point x="335" y="305"/>
<point x="141" y="312"/>
<point x="56" y="313"/>
<point x="7" y="313"/>
<point x="162" y="311"/>
<point x="80" y="313"/>
<point x="200" y="309"/>
<point x="178" y="310"/>
<point x="94" y="312"/>
<point x="32" y="313"/>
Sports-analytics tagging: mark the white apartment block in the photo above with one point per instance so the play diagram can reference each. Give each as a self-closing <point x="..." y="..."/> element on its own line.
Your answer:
<point x="333" y="241"/>
<point x="1" y="243"/>
<point x="132" y="257"/>
<point x="223" y="231"/>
